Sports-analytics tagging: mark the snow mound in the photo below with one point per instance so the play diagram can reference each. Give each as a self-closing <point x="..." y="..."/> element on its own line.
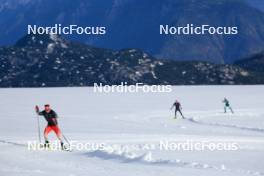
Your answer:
<point x="146" y="158"/>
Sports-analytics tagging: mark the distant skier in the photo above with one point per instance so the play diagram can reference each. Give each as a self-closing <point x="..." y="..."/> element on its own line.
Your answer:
<point x="51" y="117"/>
<point x="177" y="108"/>
<point x="227" y="105"/>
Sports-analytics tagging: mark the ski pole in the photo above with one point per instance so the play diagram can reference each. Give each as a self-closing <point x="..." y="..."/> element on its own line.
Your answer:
<point x="65" y="139"/>
<point x="38" y="130"/>
<point x="37" y="110"/>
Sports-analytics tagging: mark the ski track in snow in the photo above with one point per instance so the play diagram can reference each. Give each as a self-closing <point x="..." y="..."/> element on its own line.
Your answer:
<point x="226" y="125"/>
<point x="191" y="119"/>
<point x="12" y="143"/>
<point x="216" y="113"/>
<point x="126" y="157"/>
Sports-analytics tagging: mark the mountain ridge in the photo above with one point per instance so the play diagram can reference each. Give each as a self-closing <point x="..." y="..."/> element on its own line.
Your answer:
<point x="51" y="61"/>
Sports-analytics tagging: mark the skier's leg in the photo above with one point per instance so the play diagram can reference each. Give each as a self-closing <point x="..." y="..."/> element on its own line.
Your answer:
<point x="175" y="114"/>
<point x="46" y="132"/>
<point x="225" y="109"/>
<point x="181" y="113"/>
<point x="58" y="133"/>
<point x="231" y="109"/>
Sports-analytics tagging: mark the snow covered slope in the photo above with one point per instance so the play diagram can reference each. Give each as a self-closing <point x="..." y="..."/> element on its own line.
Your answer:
<point x="129" y="122"/>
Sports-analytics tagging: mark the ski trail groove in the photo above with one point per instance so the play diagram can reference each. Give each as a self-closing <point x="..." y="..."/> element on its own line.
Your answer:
<point x="12" y="143"/>
<point x="261" y="130"/>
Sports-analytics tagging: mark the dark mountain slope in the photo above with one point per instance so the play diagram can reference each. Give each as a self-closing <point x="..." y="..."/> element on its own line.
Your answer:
<point x="253" y="63"/>
<point x="49" y="60"/>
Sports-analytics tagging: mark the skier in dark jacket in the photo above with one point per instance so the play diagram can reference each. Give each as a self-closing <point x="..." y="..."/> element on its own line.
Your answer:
<point x="227" y="105"/>
<point x="51" y="117"/>
<point x="177" y="108"/>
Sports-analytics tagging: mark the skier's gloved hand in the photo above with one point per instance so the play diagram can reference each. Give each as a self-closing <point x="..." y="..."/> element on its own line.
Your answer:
<point x="37" y="108"/>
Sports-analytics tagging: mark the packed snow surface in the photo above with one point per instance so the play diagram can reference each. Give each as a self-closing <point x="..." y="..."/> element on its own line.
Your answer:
<point x="135" y="124"/>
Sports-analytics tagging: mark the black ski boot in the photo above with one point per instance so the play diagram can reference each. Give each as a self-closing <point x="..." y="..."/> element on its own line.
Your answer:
<point x="63" y="147"/>
<point x="46" y="145"/>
